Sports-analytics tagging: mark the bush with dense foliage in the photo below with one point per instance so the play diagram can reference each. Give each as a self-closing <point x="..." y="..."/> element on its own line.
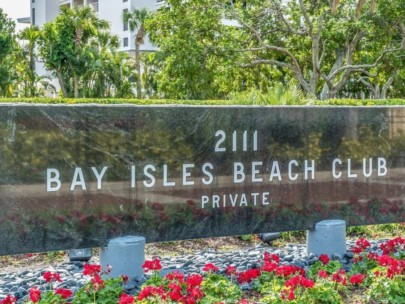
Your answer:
<point x="329" y="102"/>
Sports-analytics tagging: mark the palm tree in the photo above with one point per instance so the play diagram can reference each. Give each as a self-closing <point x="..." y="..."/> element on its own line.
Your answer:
<point x="31" y="35"/>
<point x="86" y="23"/>
<point x="136" y="20"/>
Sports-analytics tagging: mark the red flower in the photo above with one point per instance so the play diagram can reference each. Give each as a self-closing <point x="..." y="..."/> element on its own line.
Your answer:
<point x="357" y="278"/>
<point x="363" y="243"/>
<point x="97" y="282"/>
<point x="267" y="257"/>
<point x="194" y="280"/>
<point x="339" y="277"/>
<point x="196" y="293"/>
<point x="175" y="293"/>
<point x="35" y="294"/>
<point x="49" y="276"/>
<point x="288" y="294"/>
<point x="323" y="274"/>
<point x="372" y="256"/>
<point x="150" y="290"/>
<point x="243" y="301"/>
<point x="395" y="267"/>
<point x="125" y="278"/>
<point x="210" y="268"/>
<point x="65" y="293"/>
<point x="9" y="300"/>
<point x="146" y="292"/>
<point x="56" y="276"/>
<point x="391" y="245"/>
<point x="269" y="266"/>
<point x="153" y="265"/>
<point x="91" y="269"/>
<point x="230" y="270"/>
<point x="377" y="273"/>
<point x="357" y="250"/>
<point x="287" y="270"/>
<point x="248" y="275"/>
<point x="386" y="260"/>
<point x="190" y="300"/>
<point x="293" y="282"/>
<point x="175" y="276"/>
<point x="307" y="283"/>
<point x="174" y="286"/>
<point x="126" y="299"/>
<point x="291" y="295"/>
<point x="324" y="258"/>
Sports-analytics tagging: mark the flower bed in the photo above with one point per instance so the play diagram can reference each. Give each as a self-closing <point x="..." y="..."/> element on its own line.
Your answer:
<point x="379" y="276"/>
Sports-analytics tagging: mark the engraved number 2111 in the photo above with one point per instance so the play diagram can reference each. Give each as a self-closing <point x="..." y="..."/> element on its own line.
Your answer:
<point x="219" y="146"/>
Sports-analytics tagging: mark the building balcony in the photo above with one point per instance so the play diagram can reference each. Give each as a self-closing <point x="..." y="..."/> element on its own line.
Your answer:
<point x="71" y="3"/>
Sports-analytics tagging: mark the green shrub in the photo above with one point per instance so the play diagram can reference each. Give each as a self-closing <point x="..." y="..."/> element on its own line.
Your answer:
<point x="287" y="98"/>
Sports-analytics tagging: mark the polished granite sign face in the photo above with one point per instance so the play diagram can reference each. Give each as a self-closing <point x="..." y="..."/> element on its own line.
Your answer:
<point x="77" y="176"/>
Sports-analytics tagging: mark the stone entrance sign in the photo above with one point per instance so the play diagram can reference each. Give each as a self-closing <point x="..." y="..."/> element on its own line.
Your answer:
<point x="77" y="176"/>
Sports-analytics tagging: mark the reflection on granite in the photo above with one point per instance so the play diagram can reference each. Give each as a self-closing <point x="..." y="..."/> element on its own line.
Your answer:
<point x="77" y="176"/>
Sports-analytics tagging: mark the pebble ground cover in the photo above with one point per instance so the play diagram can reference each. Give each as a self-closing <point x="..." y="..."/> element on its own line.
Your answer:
<point x="376" y="276"/>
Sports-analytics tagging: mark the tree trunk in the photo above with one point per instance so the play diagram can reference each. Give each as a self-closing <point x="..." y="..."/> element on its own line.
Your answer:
<point x="76" y="85"/>
<point x="359" y="7"/>
<point x="387" y="85"/>
<point x="325" y="92"/>
<point x="62" y="84"/>
<point x="334" y="5"/>
<point x="32" y="74"/>
<point x="377" y="94"/>
<point x="138" y="70"/>
<point x="329" y="89"/>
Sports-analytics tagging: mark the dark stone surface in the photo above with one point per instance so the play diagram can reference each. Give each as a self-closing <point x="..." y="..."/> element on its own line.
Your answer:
<point x="36" y="138"/>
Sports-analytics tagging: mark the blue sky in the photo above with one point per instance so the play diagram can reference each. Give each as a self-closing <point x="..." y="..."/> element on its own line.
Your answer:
<point x="16" y="9"/>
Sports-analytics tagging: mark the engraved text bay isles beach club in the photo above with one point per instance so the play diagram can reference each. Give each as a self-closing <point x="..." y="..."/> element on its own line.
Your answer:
<point x="253" y="172"/>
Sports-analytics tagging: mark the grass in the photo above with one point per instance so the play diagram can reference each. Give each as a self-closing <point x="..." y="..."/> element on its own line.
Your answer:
<point x="383" y="231"/>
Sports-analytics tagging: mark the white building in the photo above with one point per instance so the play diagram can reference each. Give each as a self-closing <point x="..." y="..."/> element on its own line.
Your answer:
<point x="43" y="11"/>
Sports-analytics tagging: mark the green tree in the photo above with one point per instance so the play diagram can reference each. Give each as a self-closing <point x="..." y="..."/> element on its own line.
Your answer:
<point x="319" y="45"/>
<point x="196" y="57"/>
<point x="136" y="21"/>
<point x="109" y="73"/>
<point x="7" y="47"/>
<point x="388" y="75"/>
<point x="31" y="36"/>
<point x="29" y="84"/>
<point x="359" y="6"/>
<point x="66" y="48"/>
